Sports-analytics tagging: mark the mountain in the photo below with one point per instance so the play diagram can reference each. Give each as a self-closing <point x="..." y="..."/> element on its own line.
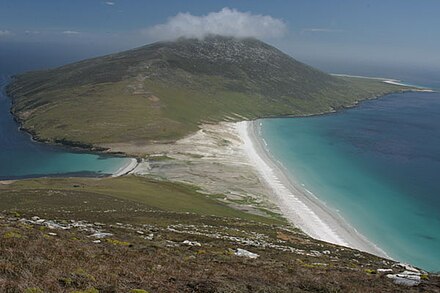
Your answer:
<point x="163" y="91"/>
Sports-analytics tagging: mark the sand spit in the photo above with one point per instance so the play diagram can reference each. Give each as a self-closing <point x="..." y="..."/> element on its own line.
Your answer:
<point x="231" y="159"/>
<point x="212" y="159"/>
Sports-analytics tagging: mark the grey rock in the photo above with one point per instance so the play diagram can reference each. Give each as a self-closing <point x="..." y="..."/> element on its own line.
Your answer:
<point x="245" y="253"/>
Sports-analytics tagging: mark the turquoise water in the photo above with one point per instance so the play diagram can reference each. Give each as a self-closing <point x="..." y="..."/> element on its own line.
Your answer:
<point x="377" y="164"/>
<point x="22" y="158"/>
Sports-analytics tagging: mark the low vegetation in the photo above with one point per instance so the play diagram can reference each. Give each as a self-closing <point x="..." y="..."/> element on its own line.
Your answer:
<point x="163" y="91"/>
<point x="86" y="235"/>
<point x="46" y="196"/>
<point x="138" y="234"/>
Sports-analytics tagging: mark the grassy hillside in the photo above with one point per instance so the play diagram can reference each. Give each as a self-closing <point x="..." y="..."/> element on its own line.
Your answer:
<point x="153" y="194"/>
<point x="47" y="244"/>
<point x="163" y="91"/>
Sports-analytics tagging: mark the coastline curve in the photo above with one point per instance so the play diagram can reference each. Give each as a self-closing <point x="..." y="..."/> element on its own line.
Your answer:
<point x="299" y="206"/>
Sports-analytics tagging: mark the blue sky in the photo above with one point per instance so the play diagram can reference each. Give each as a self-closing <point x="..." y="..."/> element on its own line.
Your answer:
<point x="321" y="32"/>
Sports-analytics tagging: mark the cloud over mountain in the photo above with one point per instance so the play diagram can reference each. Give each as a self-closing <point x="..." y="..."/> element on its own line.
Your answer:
<point x="226" y="22"/>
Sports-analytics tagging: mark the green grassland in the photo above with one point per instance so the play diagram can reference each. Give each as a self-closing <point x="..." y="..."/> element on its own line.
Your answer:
<point x="106" y="113"/>
<point x="164" y="91"/>
<point x="55" y="194"/>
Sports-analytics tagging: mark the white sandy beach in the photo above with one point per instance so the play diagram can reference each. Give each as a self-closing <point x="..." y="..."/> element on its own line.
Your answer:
<point x="127" y="168"/>
<point x="298" y="205"/>
<point x="417" y="88"/>
<point x="230" y="158"/>
<point x="390" y="81"/>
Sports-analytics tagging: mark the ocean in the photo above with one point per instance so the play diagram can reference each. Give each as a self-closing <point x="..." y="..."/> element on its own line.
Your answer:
<point x="377" y="165"/>
<point x="20" y="157"/>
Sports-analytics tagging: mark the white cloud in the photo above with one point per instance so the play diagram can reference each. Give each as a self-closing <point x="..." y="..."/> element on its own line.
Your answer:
<point x="4" y="33"/>
<point x="32" y="32"/>
<point x="226" y="22"/>
<point x="110" y="3"/>
<point x="71" y="32"/>
<point x="321" y="30"/>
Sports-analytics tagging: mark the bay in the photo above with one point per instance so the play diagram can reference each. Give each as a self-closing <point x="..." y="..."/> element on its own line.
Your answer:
<point x="377" y="165"/>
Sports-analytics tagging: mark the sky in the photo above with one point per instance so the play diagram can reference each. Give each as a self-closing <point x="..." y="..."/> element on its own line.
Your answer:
<point x="334" y="35"/>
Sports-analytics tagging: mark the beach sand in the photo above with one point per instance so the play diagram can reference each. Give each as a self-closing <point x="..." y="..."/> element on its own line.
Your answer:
<point x="230" y="158"/>
<point x="211" y="159"/>
<point x="127" y="168"/>
<point x="297" y="204"/>
<point x="414" y="88"/>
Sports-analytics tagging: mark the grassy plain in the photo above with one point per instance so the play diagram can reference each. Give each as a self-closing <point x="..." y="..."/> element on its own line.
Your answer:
<point x="57" y="194"/>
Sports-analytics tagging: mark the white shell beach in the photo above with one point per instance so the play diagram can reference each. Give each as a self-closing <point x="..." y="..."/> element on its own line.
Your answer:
<point x="297" y="204"/>
<point x="231" y="158"/>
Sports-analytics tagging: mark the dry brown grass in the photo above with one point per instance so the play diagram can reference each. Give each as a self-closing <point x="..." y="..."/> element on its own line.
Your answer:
<point x="31" y="259"/>
<point x="70" y="262"/>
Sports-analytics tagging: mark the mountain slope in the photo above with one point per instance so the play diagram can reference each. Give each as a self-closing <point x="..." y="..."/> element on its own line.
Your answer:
<point x="163" y="91"/>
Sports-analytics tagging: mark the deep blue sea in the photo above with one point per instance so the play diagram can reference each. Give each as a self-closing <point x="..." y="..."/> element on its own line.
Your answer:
<point x="377" y="164"/>
<point x="22" y="158"/>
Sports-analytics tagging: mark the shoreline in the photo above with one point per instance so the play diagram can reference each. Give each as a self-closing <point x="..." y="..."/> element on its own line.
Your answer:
<point x="75" y="146"/>
<point x="126" y="169"/>
<point x="416" y="88"/>
<point x="69" y="147"/>
<point x="299" y="206"/>
<point x="316" y="220"/>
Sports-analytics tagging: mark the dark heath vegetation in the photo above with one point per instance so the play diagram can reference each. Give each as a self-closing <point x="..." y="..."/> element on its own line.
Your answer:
<point x="159" y="243"/>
